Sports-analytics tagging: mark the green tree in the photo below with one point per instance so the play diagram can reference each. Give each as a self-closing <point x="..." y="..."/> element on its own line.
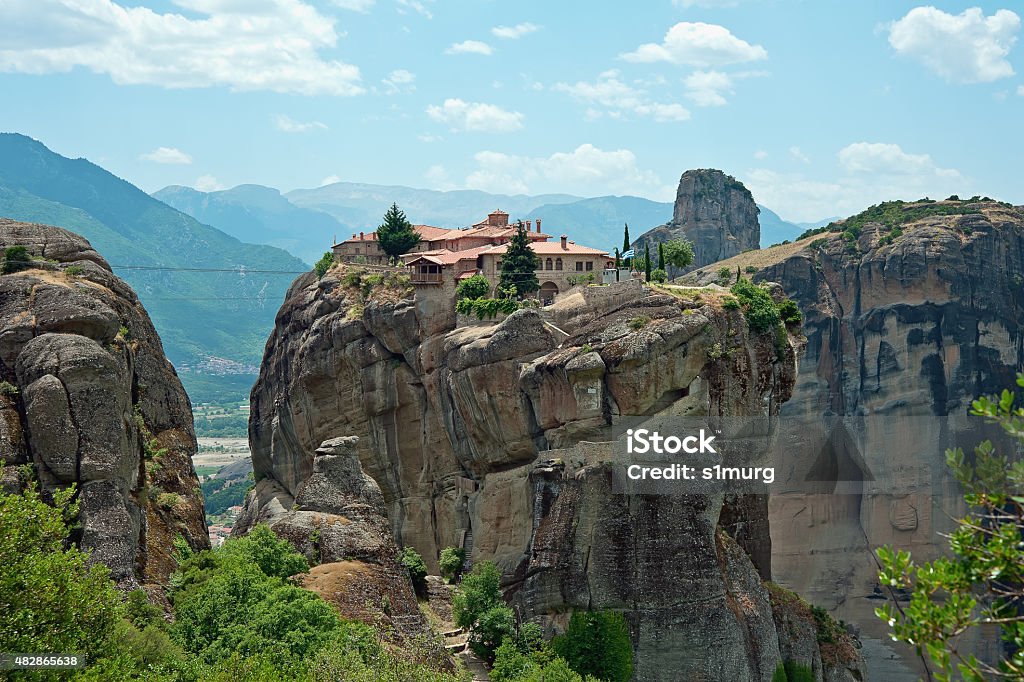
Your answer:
<point x="480" y="591"/>
<point x="51" y="598"/>
<point x="473" y="287"/>
<point x="661" y="255"/>
<point x="758" y="306"/>
<point x="16" y="258"/>
<point x="618" y="264"/>
<point x="659" y="276"/>
<point x="678" y="255"/>
<point x="324" y="264"/>
<point x="417" y="569"/>
<point x="982" y="581"/>
<point x="597" y="643"/>
<point x="625" y="241"/>
<point x="511" y="664"/>
<point x="396" y="234"/>
<point x="647" y="262"/>
<point x="450" y="562"/>
<point x="519" y="265"/>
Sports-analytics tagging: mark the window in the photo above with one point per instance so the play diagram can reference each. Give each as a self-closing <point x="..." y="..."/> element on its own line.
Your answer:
<point x="579" y="266"/>
<point x="558" y="264"/>
<point x="547" y="264"/>
<point x="590" y="265"/>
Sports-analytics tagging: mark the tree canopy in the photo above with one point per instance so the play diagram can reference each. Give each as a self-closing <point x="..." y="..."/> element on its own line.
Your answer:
<point x="396" y="234"/>
<point x="519" y="265"/>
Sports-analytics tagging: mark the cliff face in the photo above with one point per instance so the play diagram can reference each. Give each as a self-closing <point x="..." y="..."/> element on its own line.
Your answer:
<point x="494" y="437"/>
<point x="89" y="399"/>
<point x="715" y="212"/>
<point x="906" y="323"/>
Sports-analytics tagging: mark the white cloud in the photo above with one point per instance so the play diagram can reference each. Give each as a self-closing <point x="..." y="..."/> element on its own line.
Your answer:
<point x="438" y="178"/>
<point x="1020" y="90"/>
<point x="476" y="117"/>
<point x="798" y="154"/>
<point x="167" y="155"/>
<point x="399" y="80"/>
<point x="363" y="6"/>
<point x="708" y="88"/>
<point x="963" y="48"/>
<point x="514" y="32"/>
<point x="872" y="173"/>
<point x="208" y="183"/>
<point x="760" y="154"/>
<point x="416" y="6"/>
<point x="618" y="97"/>
<point x="587" y="170"/>
<point x="288" y="125"/>
<point x="698" y="44"/>
<point x="330" y="180"/>
<point x="265" y="45"/>
<point x="470" y="47"/>
<point x="427" y="138"/>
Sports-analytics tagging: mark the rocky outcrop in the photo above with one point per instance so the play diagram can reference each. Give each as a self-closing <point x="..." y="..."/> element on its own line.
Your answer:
<point x="907" y="321"/>
<point x="713" y="211"/>
<point x="497" y="438"/>
<point x="88" y="399"/>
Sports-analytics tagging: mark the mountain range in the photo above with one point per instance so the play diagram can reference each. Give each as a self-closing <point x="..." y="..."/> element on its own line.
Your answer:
<point x="212" y="297"/>
<point x="305" y="221"/>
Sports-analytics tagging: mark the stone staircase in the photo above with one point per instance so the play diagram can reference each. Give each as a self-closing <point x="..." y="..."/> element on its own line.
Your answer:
<point x="467" y="549"/>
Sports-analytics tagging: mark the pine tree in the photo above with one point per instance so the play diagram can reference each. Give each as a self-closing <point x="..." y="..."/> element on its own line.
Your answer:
<point x="396" y="235"/>
<point x="519" y="265"/>
<point x="625" y="241"/>
<point x="618" y="264"/>
<point x="661" y="255"/>
<point x="647" y="262"/>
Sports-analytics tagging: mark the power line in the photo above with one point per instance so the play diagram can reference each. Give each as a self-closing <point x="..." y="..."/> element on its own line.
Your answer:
<point x="241" y="270"/>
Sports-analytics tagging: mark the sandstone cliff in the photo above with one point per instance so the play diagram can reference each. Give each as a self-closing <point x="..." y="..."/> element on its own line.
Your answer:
<point x="715" y="212"/>
<point x="88" y="398"/>
<point x="910" y="311"/>
<point x="494" y="437"/>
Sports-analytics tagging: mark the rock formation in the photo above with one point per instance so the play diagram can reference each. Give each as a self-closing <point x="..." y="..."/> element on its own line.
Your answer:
<point x="88" y="398"/>
<point x="906" y="321"/>
<point x="713" y="211"/>
<point x="496" y="438"/>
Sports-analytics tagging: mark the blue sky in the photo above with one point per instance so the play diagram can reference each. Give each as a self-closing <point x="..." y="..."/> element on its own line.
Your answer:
<point x="821" y="106"/>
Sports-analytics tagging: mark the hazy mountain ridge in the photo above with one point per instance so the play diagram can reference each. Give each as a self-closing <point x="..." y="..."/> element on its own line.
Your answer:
<point x="198" y="314"/>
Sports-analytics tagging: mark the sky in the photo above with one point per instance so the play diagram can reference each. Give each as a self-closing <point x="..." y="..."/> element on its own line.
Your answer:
<point x="821" y="107"/>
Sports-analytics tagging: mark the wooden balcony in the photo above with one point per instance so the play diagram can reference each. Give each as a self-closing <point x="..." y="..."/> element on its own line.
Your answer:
<point x="425" y="277"/>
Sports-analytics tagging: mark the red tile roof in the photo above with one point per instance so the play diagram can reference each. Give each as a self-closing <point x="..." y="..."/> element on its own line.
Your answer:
<point x="554" y="248"/>
<point x="446" y="257"/>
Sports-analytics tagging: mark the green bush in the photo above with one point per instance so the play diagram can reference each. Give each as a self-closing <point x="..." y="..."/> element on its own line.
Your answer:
<point x="473" y="287"/>
<point x="597" y="643"/>
<point x="790" y="313"/>
<point x="638" y="323"/>
<point x="324" y="264"/>
<point x="511" y="664"/>
<point x="731" y="304"/>
<point x="491" y="628"/>
<point x="8" y="389"/>
<point x="724" y="275"/>
<point x="74" y="270"/>
<point x="797" y="672"/>
<point x="486" y="308"/>
<point x="451" y="562"/>
<point x="758" y="306"/>
<point x="51" y="598"/>
<point x="417" y="569"/>
<point x="16" y="258"/>
<point x="750" y="269"/>
<point x="479" y="592"/>
<point x="659" y="275"/>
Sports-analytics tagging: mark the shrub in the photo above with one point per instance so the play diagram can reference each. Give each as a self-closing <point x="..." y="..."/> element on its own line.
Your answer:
<point x="797" y="672"/>
<point x="731" y="304"/>
<point x="486" y="308"/>
<point x="597" y="643"/>
<point x="74" y="270"/>
<point x="750" y="269"/>
<point x="790" y="312"/>
<point x="511" y="664"/>
<point x="451" y="562"/>
<point x="474" y="287"/>
<point x="759" y="308"/>
<point x="352" y="278"/>
<point x="168" y="500"/>
<point x="413" y="563"/>
<point x="8" y="389"/>
<point x="491" y="628"/>
<point x="479" y="592"/>
<point x="324" y="264"/>
<point x="16" y="258"/>
<point x="639" y="322"/>
<point x="724" y="275"/>
<point x="659" y="275"/>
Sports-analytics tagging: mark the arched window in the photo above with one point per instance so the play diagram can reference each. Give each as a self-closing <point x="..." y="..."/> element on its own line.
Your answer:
<point x="547" y="264"/>
<point x="558" y="264"/>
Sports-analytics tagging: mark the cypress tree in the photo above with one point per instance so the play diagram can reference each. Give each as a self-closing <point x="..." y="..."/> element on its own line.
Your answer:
<point x="519" y="265"/>
<point x="661" y="255"/>
<point x="617" y="265"/>
<point x="647" y="262"/>
<point x="395" y="234"/>
<point x="625" y="241"/>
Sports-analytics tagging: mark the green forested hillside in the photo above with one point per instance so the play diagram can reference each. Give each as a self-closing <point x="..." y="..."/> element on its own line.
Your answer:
<point x="199" y="314"/>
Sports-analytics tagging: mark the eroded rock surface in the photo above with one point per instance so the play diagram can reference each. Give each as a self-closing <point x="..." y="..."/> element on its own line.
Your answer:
<point x="904" y="329"/>
<point x="89" y="399"/>
<point x="715" y="212"/>
<point x="495" y="438"/>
